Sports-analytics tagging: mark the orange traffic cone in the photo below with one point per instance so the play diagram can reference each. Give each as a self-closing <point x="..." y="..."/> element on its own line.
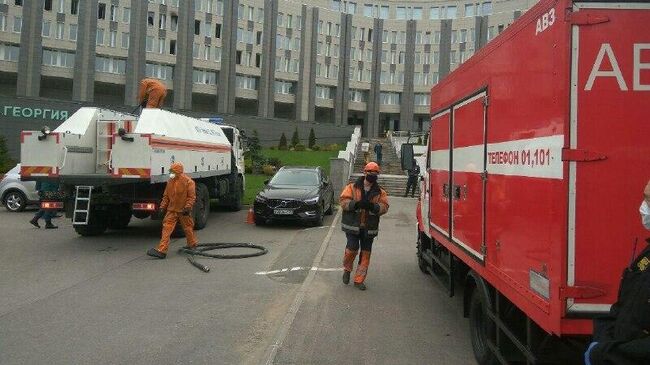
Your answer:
<point x="250" y="218"/>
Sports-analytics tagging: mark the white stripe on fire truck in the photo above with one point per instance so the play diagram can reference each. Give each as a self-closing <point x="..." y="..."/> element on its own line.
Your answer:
<point x="534" y="157"/>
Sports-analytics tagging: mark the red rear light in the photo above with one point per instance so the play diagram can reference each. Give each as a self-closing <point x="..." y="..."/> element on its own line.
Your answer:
<point x="51" y="205"/>
<point x="144" y="206"/>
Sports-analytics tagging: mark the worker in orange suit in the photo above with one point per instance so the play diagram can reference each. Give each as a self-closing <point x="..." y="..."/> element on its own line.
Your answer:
<point x="363" y="202"/>
<point x="152" y="93"/>
<point x="177" y="203"/>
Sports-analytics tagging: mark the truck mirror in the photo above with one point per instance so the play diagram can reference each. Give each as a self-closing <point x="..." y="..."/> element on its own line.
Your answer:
<point x="407" y="156"/>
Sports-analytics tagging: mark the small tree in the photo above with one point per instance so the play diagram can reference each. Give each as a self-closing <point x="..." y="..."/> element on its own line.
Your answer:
<point x="295" y="139"/>
<point x="312" y="139"/>
<point x="283" y="142"/>
<point x="255" y="151"/>
<point x="6" y="163"/>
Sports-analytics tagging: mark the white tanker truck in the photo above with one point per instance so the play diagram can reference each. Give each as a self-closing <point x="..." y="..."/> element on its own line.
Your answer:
<point x="113" y="166"/>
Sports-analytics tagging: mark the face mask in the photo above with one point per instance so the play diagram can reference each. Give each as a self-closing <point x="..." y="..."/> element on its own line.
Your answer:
<point x="371" y="178"/>
<point x="645" y="215"/>
<point x="172" y="175"/>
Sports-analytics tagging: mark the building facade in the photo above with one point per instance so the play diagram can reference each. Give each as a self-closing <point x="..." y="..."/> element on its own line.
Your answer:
<point x="369" y="63"/>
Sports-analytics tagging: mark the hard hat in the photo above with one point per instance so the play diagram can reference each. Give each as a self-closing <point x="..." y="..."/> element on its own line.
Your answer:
<point x="372" y="167"/>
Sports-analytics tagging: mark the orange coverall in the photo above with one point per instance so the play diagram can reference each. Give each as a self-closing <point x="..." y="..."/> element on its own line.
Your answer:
<point x="153" y="92"/>
<point x="353" y="192"/>
<point x="179" y="195"/>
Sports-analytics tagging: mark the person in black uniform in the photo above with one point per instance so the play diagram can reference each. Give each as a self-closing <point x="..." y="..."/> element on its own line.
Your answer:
<point x="412" y="181"/>
<point x="623" y="336"/>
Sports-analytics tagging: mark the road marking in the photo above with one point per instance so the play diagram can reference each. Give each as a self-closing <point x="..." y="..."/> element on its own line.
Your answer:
<point x="283" y="331"/>
<point x="299" y="268"/>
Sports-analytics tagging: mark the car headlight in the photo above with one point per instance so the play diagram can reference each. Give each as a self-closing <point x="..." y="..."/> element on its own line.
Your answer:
<point x="260" y="199"/>
<point x="313" y="200"/>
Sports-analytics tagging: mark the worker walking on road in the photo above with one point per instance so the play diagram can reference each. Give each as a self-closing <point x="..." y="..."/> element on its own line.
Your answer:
<point x="622" y="337"/>
<point x="363" y="202"/>
<point x="46" y="191"/>
<point x="178" y="200"/>
<point x="152" y="93"/>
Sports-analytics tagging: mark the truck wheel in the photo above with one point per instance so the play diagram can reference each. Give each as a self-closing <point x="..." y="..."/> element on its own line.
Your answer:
<point x="201" y="207"/>
<point x="237" y="196"/>
<point x="481" y="329"/>
<point x="422" y="264"/>
<point x="121" y="219"/>
<point x="97" y="224"/>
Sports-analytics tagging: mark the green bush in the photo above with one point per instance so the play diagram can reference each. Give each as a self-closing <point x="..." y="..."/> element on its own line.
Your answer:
<point x="274" y="161"/>
<point x="6" y="163"/>
<point x="312" y="139"/>
<point x="299" y="147"/>
<point x="295" y="139"/>
<point x="333" y="147"/>
<point x="315" y="147"/>
<point x="283" y="142"/>
<point x="272" y="148"/>
<point x="269" y="170"/>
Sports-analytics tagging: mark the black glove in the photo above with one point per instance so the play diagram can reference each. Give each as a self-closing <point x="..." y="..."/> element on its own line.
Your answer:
<point x="375" y="208"/>
<point x="162" y="211"/>
<point x="364" y="204"/>
<point x="353" y="205"/>
<point x="186" y="211"/>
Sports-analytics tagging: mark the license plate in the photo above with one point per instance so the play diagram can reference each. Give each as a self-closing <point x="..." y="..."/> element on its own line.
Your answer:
<point x="283" y="211"/>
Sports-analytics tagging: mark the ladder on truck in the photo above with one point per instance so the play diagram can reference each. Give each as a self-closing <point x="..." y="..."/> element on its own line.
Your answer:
<point x="82" y="205"/>
<point x="106" y="128"/>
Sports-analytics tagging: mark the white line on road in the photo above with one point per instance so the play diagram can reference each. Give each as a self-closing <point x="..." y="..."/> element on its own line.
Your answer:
<point x="299" y="268"/>
<point x="283" y="331"/>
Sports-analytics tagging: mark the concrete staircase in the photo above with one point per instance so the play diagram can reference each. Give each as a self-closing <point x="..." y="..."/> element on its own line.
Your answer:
<point x="392" y="178"/>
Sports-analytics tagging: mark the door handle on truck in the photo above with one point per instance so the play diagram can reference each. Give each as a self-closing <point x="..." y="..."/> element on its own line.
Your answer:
<point x="457" y="190"/>
<point x="445" y="191"/>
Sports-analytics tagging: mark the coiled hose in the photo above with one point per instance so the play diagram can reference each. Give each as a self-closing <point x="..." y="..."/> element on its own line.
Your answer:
<point x="203" y="248"/>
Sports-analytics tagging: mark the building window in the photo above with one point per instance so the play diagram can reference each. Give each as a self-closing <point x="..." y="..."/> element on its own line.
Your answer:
<point x="422" y="99"/>
<point x="417" y="13"/>
<point x="101" y="11"/>
<point x="114" y="12"/>
<point x="469" y="10"/>
<point x="400" y="12"/>
<point x="284" y="87"/>
<point x="72" y="35"/>
<point x="390" y="98"/>
<point x="150" y="18"/>
<point x="45" y="31"/>
<point x="125" y="40"/>
<point x="246" y="82"/>
<point x="9" y="52"/>
<point x="323" y="92"/>
<point x="434" y="13"/>
<point x="110" y="65"/>
<point x="74" y="7"/>
<point x="172" y="47"/>
<point x="112" y="39"/>
<point x="367" y="10"/>
<point x="18" y="2"/>
<point x="58" y="58"/>
<point x="450" y="12"/>
<point x="149" y="46"/>
<point x="100" y="37"/>
<point x="260" y="15"/>
<point x="159" y="71"/>
<point x="358" y="96"/>
<point x="60" y="30"/>
<point x="217" y="54"/>
<point x="47" y="5"/>
<point x="197" y="27"/>
<point x="204" y="77"/>
<point x="162" y="21"/>
<point x="383" y="12"/>
<point x="486" y="8"/>
<point x="280" y="20"/>
<point x="126" y="15"/>
<point x="174" y="23"/>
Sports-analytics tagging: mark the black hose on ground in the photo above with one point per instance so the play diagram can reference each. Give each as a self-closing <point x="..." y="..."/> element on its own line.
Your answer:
<point x="203" y="248"/>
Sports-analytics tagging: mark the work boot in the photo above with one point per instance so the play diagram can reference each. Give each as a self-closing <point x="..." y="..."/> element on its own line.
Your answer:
<point x="360" y="286"/>
<point x="157" y="254"/>
<point x="34" y="222"/>
<point x="346" y="277"/>
<point x="188" y="247"/>
<point x="49" y="225"/>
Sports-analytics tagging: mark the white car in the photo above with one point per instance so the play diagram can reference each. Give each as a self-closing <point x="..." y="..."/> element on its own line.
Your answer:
<point x="15" y="194"/>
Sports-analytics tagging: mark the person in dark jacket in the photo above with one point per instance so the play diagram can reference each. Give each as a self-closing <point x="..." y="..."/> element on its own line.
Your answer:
<point x="46" y="191"/>
<point x="411" y="183"/>
<point x="378" y="152"/>
<point x="363" y="202"/>
<point x="623" y="336"/>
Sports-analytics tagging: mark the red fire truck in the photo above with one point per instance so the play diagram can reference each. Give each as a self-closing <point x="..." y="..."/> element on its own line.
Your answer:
<point x="538" y="154"/>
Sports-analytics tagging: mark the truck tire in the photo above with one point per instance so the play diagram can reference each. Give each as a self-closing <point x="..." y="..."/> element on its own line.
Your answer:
<point x="238" y="194"/>
<point x="481" y="328"/>
<point x="422" y="264"/>
<point x="201" y="207"/>
<point x="121" y="218"/>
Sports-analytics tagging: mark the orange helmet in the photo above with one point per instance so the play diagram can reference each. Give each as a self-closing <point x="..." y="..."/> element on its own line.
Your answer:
<point x="372" y="167"/>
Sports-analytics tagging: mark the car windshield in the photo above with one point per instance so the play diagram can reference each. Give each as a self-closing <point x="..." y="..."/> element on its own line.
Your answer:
<point x="295" y="177"/>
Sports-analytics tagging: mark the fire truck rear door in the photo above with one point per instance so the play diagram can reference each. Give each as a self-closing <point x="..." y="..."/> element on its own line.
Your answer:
<point x="440" y="179"/>
<point x="609" y="156"/>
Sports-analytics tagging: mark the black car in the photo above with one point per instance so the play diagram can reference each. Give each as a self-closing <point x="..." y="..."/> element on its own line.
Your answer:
<point x="295" y="193"/>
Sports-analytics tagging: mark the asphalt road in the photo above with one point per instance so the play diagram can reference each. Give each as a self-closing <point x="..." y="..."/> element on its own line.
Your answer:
<point x="66" y="299"/>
